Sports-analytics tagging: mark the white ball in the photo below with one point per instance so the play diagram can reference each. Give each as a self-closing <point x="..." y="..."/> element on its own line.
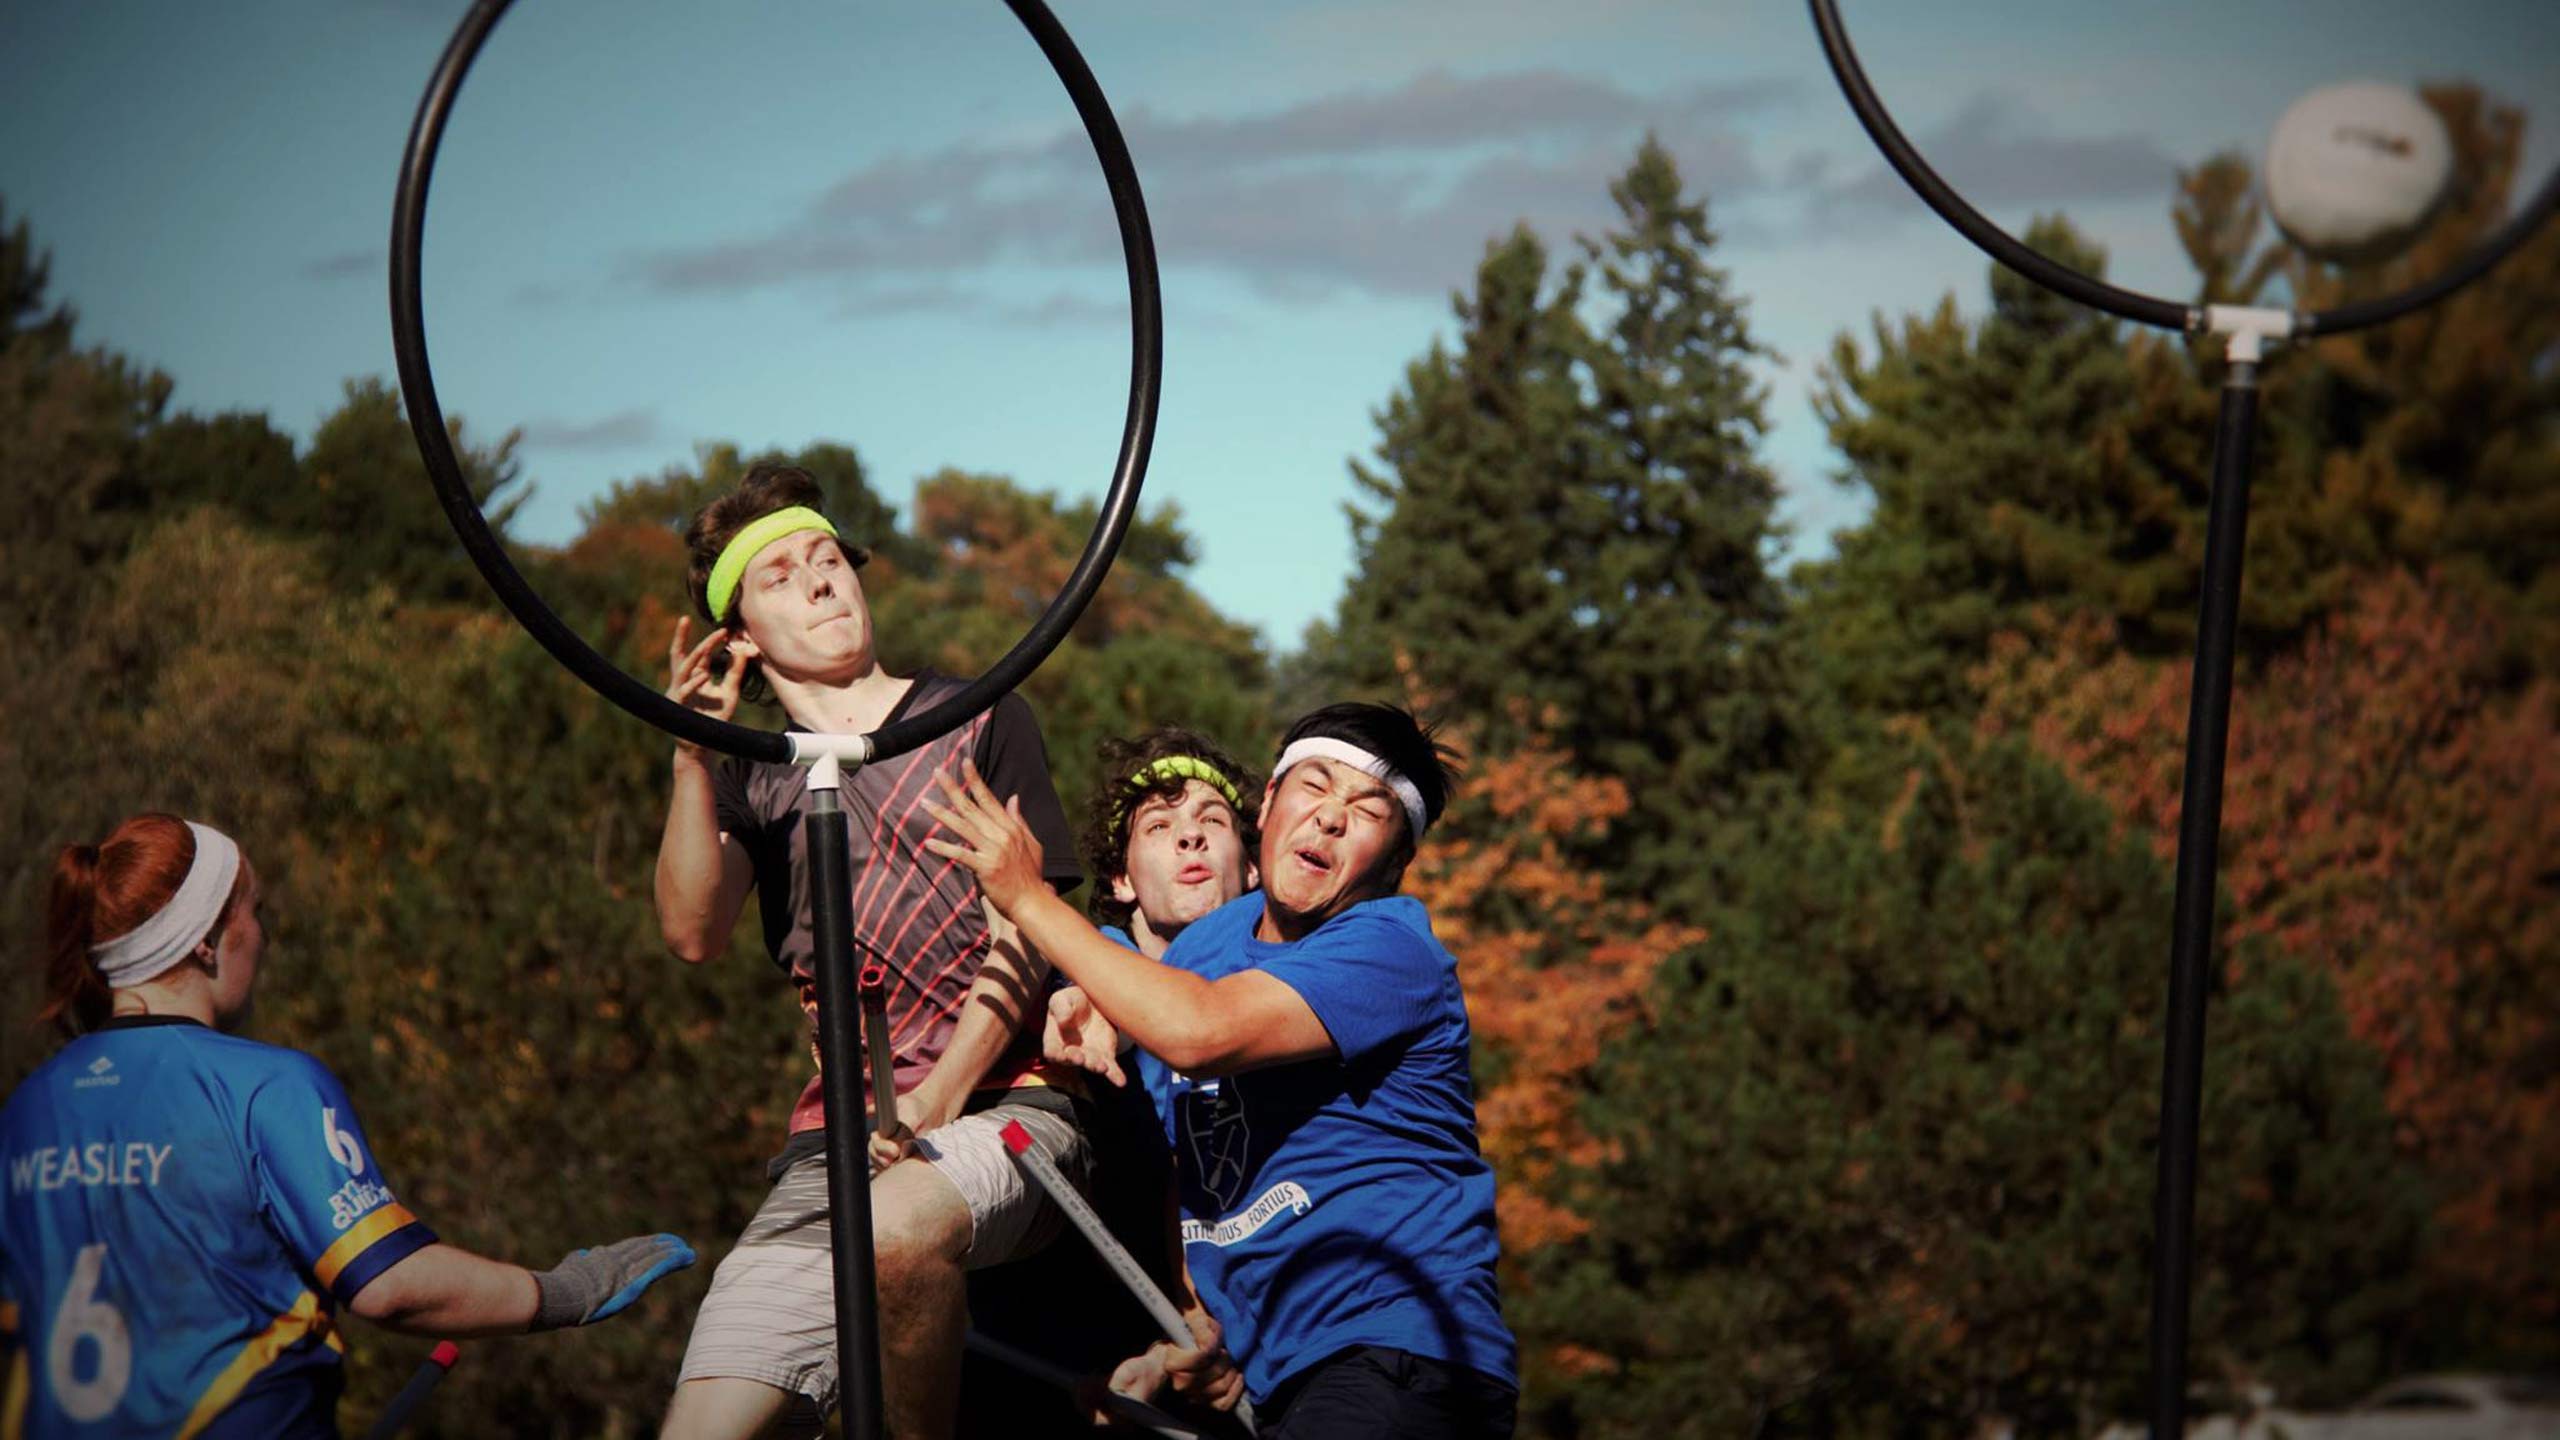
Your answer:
<point x="2355" y="171"/>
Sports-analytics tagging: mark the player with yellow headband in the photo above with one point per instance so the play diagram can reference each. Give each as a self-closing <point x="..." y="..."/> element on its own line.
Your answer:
<point x="782" y="591"/>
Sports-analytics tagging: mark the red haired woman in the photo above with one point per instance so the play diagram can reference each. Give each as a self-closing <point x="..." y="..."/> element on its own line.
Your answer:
<point x="187" y="1210"/>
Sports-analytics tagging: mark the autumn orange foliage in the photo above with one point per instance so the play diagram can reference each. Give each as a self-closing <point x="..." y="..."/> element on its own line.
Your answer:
<point x="2392" y="813"/>
<point x="1553" y="965"/>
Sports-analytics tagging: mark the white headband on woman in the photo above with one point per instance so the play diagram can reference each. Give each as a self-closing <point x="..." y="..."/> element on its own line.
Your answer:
<point x="169" y="936"/>
<point x="1328" y="748"/>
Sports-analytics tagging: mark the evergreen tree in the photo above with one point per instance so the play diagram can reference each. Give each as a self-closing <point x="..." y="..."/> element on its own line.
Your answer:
<point x="364" y="491"/>
<point x="1574" y="522"/>
<point x="1680" y="693"/>
<point x="2002" y="476"/>
<point x="25" y="272"/>
<point x="1880" y="1160"/>
<point x="1461" y="566"/>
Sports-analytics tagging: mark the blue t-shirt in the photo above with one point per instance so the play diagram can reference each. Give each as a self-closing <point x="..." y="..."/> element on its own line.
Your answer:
<point x="1340" y="1201"/>
<point x="186" y="1210"/>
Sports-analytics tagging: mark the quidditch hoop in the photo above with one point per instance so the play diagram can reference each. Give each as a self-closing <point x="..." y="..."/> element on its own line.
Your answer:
<point x="444" y="468"/>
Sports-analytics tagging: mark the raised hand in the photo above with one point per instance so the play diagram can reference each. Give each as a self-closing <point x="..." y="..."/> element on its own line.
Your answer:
<point x="988" y="836"/>
<point x="1077" y="1034"/>
<point x="690" y="682"/>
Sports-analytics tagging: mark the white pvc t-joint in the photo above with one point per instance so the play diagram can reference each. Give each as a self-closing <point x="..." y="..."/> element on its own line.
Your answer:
<point x="829" y="756"/>
<point x="2248" y="330"/>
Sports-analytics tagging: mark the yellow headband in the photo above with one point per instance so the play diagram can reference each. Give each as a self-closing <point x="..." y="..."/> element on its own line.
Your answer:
<point x="1183" y="767"/>
<point x="731" y="567"/>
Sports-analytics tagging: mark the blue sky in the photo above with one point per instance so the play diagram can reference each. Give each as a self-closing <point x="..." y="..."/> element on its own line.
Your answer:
<point x="657" y="224"/>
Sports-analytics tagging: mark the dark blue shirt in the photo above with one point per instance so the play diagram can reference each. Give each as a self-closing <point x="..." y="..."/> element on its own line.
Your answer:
<point x="1342" y="1200"/>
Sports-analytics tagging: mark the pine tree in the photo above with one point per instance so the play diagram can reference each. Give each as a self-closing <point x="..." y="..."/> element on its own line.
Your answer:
<point x="1879" y="1162"/>
<point x="1999" y="459"/>
<point x="1461" y="564"/>
<point x="1573" y="521"/>
<point x="1678" y="690"/>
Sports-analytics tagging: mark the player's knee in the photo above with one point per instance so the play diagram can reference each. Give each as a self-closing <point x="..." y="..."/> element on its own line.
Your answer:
<point x="919" y="1227"/>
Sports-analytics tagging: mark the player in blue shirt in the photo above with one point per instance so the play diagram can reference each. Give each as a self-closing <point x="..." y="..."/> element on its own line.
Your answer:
<point x="187" y="1211"/>
<point x="1307" y="1049"/>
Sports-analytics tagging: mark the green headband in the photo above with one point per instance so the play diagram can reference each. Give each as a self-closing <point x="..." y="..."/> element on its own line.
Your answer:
<point x="731" y="567"/>
<point x="1182" y="767"/>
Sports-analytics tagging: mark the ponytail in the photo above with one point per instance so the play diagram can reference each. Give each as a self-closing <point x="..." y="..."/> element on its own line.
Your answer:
<point x="76" y="999"/>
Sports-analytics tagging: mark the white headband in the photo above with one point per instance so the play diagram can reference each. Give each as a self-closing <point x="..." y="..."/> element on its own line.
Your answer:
<point x="1326" y="747"/>
<point x="169" y="936"/>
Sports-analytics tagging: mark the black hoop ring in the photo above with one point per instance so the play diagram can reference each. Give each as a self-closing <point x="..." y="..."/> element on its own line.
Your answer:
<point x="435" y="446"/>
<point x="2133" y="305"/>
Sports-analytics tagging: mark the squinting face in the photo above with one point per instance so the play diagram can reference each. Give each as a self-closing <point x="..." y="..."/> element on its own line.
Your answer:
<point x="801" y="608"/>
<point x="236" y="953"/>
<point x="1185" y="858"/>
<point x="1325" y="829"/>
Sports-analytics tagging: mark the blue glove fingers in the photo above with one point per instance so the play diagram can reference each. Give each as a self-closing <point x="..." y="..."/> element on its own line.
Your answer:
<point x="674" y="1255"/>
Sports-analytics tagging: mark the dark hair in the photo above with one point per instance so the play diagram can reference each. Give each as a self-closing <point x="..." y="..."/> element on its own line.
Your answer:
<point x="1410" y="746"/>
<point x="764" y="489"/>
<point x="105" y="890"/>
<point x="1116" y="798"/>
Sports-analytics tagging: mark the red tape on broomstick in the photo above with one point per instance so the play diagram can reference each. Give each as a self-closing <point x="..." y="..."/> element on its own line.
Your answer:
<point x="404" y="1406"/>
<point x="1114" y="1255"/>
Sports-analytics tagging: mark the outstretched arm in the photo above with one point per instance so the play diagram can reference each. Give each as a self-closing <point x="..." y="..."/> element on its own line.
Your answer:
<point x="1197" y="1026"/>
<point x="447" y="1291"/>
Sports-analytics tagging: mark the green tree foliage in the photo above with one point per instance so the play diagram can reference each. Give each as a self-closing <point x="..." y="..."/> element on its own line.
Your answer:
<point x="1572" y="520"/>
<point x="364" y="486"/>
<point x="1475" y="454"/>
<point x="1978" y="514"/>
<point x="25" y="272"/>
<point x="1880" y="1161"/>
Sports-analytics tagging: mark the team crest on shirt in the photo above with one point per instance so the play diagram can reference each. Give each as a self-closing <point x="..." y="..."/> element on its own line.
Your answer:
<point x="342" y="1144"/>
<point x="1213" y="1121"/>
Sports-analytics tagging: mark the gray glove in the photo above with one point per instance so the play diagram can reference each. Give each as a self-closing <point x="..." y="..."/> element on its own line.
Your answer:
<point x="592" y="1285"/>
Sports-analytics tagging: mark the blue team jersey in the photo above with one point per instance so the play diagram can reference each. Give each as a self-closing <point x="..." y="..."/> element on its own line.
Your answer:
<point x="1340" y="1201"/>
<point x="186" y="1210"/>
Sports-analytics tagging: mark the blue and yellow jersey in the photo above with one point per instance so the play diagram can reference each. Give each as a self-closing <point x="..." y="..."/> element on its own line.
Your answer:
<point x="185" y="1212"/>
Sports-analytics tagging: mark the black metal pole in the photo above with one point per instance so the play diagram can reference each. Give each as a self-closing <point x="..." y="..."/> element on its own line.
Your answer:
<point x="840" y="1084"/>
<point x="2191" y="922"/>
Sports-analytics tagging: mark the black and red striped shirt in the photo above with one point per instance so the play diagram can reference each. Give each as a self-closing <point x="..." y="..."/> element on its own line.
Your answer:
<point x="913" y="911"/>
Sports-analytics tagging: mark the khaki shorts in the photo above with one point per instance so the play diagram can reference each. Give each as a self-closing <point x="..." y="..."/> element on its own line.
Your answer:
<point x="770" y="1315"/>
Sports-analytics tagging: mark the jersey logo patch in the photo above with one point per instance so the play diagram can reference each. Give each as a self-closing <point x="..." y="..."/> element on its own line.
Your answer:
<point x="102" y="1071"/>
<point x="1285" y="1198"/>
<point x="342" y="1145"/>
<point x="1213" y="1121"/>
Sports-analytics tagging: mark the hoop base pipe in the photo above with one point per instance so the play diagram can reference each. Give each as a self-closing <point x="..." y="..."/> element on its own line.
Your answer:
<point x="2191" y="916"/>
<point x="840" y="1084"/>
